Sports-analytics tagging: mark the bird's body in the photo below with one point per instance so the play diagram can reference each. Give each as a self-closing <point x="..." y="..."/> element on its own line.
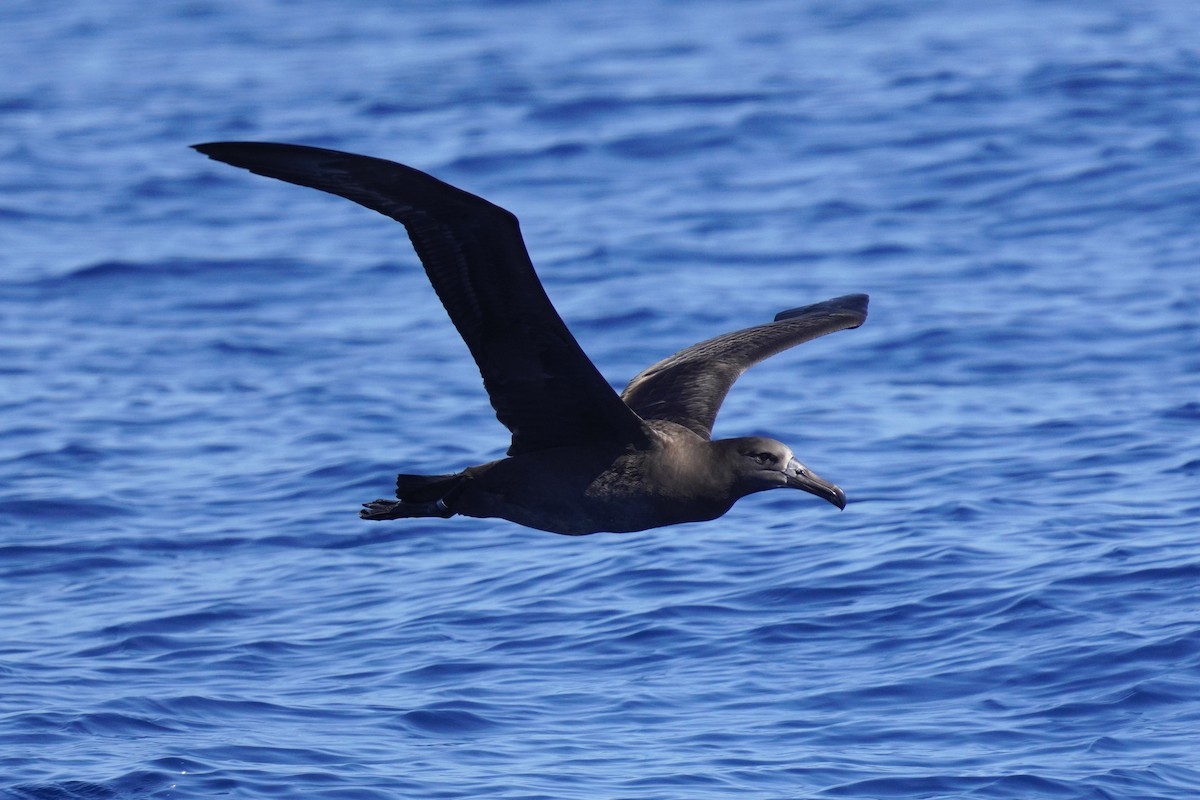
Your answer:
<point x="582" y="458"/>
<point x="578" y="490"/>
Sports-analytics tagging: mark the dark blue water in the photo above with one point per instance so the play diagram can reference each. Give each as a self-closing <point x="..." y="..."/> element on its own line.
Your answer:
<point x="202" y="373"/>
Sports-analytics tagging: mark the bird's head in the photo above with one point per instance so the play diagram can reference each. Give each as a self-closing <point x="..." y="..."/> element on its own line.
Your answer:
<point x="760" y="463"/>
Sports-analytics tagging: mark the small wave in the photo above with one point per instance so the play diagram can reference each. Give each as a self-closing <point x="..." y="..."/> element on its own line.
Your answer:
<point x="674" y="144"/>
<point x="139" y="783"/>
<point x="445" y="721"/>
<point x="61" y="508"/>
<point x="117" y="272"/>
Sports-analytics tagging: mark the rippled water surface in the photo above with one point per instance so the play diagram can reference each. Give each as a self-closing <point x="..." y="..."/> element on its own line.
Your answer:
<point x="203" y="372"/>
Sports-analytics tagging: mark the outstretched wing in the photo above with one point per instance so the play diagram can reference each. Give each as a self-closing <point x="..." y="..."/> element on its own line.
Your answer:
<point x="689" y="387"/>
<point x="541" y="383"/>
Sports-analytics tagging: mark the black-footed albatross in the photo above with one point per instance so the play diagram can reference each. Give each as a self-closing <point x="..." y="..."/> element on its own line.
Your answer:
<point x="583" y="459"/>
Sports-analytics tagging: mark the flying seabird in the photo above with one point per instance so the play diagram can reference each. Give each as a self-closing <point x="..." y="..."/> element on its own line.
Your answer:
<point x="583" y="459"/>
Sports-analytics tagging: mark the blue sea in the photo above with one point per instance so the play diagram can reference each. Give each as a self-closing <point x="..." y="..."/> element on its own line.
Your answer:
<point x="204" y="372"/>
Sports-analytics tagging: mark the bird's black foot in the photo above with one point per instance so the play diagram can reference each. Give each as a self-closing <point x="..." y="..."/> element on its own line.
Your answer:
<point x="398" y="509"/>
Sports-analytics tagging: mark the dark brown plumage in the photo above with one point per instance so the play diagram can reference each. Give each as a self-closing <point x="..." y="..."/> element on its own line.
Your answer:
<point x="582" y="458"/>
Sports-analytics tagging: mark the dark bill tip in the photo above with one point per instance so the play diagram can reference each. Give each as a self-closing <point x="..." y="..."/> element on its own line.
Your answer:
<point x="814" y="484"/>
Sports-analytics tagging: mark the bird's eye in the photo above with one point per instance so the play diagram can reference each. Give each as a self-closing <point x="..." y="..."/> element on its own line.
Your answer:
<point x="762" y="458"/>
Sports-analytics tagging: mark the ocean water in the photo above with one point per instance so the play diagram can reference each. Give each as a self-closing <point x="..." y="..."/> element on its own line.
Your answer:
<point x="204" y="372"/>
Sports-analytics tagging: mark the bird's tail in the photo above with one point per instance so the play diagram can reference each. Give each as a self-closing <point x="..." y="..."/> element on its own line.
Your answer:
<point x="420" y="496"/>
<point x="428" y="488"/>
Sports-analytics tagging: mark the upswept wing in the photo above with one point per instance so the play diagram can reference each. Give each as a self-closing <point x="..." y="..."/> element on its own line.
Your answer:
<point x="541" y="383"/>
<point x="689" y="387"/>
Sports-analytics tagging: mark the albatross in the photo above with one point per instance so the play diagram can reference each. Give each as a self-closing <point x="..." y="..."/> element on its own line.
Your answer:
<point x="583" y="459"/>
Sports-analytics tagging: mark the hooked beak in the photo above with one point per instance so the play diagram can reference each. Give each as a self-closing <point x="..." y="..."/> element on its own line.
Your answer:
<point x="800" y="477"/>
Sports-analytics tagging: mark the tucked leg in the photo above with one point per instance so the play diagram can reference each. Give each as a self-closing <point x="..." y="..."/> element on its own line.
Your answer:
<point x="399" y="509"/>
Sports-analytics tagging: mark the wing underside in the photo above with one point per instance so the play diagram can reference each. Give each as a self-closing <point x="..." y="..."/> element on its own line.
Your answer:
<point x="689" y="387"/>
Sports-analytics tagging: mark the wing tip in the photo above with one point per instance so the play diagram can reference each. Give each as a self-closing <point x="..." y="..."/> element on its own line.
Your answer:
<point x="210" y="149"/>
<point x="237" y="154"/>
<point x="271" y="157"/>
<point x="853" y="304"/>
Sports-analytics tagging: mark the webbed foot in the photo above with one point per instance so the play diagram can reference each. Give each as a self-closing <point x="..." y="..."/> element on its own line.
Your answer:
<point x="381" y="509"/>
<point x="398" y="509"/>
